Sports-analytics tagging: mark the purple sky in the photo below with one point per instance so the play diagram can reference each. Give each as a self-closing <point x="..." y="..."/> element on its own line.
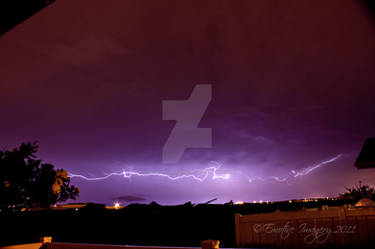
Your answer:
<point x="292" y="95"/>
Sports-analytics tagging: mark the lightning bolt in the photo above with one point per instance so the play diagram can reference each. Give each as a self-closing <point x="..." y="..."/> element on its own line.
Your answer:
<point x="202" y="176"/>
<point x="296" y="173"/>
<point x="210" y="173"/>
<point x="308" y="170"/>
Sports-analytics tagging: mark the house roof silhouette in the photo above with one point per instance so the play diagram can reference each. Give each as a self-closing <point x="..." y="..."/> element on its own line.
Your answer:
<point x="13" y="13"/>
<point x="366" y="158"/>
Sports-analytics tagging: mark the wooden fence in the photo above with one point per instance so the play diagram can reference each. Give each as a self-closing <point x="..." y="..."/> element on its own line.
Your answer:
<point x="337" y="227"/>
<point x="24" y="246"/>
<point x="60" y="245"/>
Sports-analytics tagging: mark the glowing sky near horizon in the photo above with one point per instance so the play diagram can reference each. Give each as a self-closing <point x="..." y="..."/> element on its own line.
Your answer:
<point x="292" y="96"/>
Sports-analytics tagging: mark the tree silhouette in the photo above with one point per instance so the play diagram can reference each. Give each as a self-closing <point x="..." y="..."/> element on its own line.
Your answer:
<point x="25" y="182"/>
<point x="358" y="192"/>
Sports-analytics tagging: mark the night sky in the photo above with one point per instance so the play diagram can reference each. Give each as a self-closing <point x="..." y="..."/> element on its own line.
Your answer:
<point x="292" y="96"/>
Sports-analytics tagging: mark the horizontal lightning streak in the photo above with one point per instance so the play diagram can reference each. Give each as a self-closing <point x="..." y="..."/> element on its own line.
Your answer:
<point x="205" y="173"/>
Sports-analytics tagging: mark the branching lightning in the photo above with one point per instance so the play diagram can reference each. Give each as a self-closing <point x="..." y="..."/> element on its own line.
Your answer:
<point x="201" y="176"/>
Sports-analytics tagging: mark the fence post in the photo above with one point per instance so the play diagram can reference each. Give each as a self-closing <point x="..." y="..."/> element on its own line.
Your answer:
<point x="237" y="227"/>
<point x="210" y="244"/>
<point x="46" y="242"/>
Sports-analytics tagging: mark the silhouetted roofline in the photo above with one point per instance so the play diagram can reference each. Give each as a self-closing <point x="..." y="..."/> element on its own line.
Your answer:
<point x="366" y="158"/>
<point x="14" y="12"/>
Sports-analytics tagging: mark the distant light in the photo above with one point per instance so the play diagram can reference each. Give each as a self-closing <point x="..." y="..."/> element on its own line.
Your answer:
<point x="46" y="240"/>
<point x="76" y="209"/>
<point x="260" y="201"/>
<point x="239" y="203"/>
<point x="290" y="201"/>
<point x="117" y="205"/>
<point x="254" y="201"/>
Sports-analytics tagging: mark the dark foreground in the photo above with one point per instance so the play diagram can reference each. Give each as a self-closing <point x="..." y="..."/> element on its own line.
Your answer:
<point x="183" y="225"/>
